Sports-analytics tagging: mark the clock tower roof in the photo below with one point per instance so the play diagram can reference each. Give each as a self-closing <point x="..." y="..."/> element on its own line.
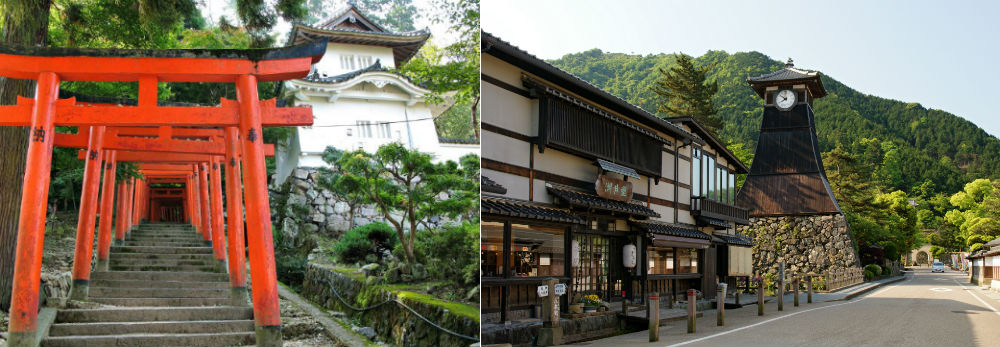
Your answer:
<point x="787" y="77"/>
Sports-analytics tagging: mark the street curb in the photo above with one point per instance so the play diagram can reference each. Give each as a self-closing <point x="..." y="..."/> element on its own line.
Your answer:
<point x="856" y="294"/>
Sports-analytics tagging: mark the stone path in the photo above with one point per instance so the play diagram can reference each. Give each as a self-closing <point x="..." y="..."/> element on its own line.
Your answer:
<point x="164" y="288"/>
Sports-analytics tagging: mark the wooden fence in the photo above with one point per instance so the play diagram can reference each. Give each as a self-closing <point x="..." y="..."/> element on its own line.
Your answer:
<point x="833" y="280"/>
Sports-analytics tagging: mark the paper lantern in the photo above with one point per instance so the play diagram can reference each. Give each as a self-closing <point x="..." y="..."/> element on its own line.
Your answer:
<point x="629" y="256"/>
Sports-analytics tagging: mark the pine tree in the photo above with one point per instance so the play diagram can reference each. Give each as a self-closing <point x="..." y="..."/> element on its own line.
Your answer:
<point x="686" y="92"/>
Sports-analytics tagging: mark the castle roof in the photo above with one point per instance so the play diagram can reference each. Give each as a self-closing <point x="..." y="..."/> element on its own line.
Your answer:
<point x="349" y="25"/>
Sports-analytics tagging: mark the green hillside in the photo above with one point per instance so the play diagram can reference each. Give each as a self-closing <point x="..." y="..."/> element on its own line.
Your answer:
<point x="929" y="145"/>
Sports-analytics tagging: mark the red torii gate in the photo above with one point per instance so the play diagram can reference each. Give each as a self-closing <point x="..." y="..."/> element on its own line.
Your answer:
<point x="176" y="166"/>
<point x="242" y="119"/>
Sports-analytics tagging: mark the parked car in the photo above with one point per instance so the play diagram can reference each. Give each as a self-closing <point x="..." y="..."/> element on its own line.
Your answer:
<point x="937" y="267"/>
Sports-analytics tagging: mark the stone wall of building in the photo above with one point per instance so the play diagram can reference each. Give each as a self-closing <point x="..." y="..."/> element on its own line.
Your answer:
<point x="805" y="243"/>
<point x="302" y="208"/>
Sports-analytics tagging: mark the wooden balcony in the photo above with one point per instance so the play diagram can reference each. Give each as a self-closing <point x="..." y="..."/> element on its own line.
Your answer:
<point x="705" y="207"/>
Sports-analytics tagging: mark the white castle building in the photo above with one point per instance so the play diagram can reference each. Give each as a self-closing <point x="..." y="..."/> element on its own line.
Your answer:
<point x="357" y="102"/>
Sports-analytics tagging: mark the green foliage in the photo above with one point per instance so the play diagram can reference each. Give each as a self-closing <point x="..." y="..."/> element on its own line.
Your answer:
<point x="684" y="91"/>
<point x="374" y="238"/>
<point x="407" y="188"/>
<point x="869" y="275"/>
<point x="874" y="269"/>
<point x="886" y="270"/>
<point x="452" y="253"/>
<point x="976" y="217"/>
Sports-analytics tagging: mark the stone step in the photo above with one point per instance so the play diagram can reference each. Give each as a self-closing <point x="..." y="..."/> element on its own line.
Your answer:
<point x="159" y="256"/>
<point x="159" y="276"/>
<point x="159" y="284"/>
<point x="157" y="302"/>
<point x="185" y="268"/>
<point x="167" y="327"/>
<point x="145" y="314"/>
<point x="163" y="250"/>
<point x="155" y="292"/>
<point x="165" y="243"/>
<point x="190" y="235"/>
<point x="206" y="340"/>
<point x="164" y="262"/>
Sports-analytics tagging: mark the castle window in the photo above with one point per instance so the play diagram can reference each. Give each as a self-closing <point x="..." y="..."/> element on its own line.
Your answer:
<point x="365" y="61"/>
<point x="347" y="62"/>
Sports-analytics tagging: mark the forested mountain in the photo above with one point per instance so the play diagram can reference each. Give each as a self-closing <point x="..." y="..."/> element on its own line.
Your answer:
<point x="918" y="145"/>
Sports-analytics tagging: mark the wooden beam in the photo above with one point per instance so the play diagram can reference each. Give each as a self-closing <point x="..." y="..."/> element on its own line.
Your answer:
<point x="68" y="113"/>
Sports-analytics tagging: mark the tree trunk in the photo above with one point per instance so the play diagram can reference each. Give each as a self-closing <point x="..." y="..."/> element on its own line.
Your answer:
<point x="475" y="118"/>
<point x="25" y="23"/>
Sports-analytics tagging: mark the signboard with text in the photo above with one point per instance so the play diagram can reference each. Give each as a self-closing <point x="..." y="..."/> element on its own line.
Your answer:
<point x="613" y="188"/>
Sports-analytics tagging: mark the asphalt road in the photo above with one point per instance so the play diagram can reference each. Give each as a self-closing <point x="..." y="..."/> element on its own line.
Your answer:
<point x="927" y="309"/>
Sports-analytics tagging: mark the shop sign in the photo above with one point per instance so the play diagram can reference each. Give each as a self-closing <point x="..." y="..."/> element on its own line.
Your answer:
<point x="613" y="188"/>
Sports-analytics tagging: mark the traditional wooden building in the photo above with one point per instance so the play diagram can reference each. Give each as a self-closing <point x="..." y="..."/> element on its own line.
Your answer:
<point x="581" y="186"/>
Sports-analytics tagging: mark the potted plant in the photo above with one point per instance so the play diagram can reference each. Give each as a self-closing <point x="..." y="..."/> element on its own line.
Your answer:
<point x="590" y="303"/>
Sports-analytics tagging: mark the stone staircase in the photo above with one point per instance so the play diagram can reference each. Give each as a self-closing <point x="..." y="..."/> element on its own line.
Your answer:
<point x="166" y="289"/>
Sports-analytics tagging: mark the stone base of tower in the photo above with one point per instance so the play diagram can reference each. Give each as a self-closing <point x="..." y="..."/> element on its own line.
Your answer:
<point x="805" y="243"/>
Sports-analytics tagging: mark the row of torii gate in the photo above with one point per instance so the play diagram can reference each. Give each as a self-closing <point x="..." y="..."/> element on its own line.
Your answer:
<point x="170" y="144"/>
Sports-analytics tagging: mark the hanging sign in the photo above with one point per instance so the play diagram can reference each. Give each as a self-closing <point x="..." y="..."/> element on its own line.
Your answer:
<point x="560" y="288"/>
<point x="613" y="188"/>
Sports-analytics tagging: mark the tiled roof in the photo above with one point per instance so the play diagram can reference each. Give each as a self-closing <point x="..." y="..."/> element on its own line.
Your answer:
<point x="490" y="186"/>
<point x="376" y="67"/>
<point x="788" y="73"/>
<point x="737" y="239"/>
<point x="791" y="75"/>
<point x="578" y="198"/>
<point x="670" y="229"/>
<point x="458" y="141"/>
<point x="714" y="222"/>
<point x="995" y="242"/>
<point x="624" y="170"/>
<point x="525" y="209"/>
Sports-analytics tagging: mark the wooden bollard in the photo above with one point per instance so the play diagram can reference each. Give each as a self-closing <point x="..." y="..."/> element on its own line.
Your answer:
<point x="780" y="292"/>
<point x="653" y="311"/>
<point x="781" y="286"/>
<point x="795" y="283"/>
<point x="809" y="289"/>
<point x="692" y="313"/>
<point x="720" y="304"/>
<point x="760" y="297"/>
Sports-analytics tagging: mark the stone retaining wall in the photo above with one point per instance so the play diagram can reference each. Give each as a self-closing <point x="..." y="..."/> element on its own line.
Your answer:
<point x="392" y="323"/>
<point x="805" y="243"/>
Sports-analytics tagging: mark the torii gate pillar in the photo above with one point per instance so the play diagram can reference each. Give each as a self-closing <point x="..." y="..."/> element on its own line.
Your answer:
<point x="107" y="210"/>
<point x="88" y="210"/>
<point x="267" y="315"/>
<point x="31" y="222"/>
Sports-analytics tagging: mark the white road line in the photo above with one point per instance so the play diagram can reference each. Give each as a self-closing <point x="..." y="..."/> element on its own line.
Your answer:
<point x="785" y="316"/>
<point x="977" y="297"/>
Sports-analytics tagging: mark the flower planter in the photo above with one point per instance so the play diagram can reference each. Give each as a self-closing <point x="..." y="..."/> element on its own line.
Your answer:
<point x="589" y="309"/>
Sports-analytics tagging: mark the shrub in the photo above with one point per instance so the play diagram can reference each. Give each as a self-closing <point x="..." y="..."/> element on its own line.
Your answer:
<point x="886" y="270"/>
<point x="357" y="243"/>
<point x="869" y="275"/>
<point x="451" y="252"/>
<point x="875" y="270"/>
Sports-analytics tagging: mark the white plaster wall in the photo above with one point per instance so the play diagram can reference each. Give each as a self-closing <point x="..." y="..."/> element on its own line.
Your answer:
<point x="330" y="64"/>
<point x="517" y="186"/>
<point x="505" y="149"/>
<point x="568" y="165"/>
<point x="454" y="151"/>
<point x="335" y="124"/>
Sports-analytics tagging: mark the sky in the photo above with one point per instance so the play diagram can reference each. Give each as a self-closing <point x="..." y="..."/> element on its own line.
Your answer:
<point x="937" y="53"/>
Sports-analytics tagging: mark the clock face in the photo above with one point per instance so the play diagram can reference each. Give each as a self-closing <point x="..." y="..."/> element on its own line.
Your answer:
<point x="785" y="99"/>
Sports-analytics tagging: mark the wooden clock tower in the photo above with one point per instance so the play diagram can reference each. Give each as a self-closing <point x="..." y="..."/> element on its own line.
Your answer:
<point x="787" y="176"/>
<point x="794" y="216"/>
